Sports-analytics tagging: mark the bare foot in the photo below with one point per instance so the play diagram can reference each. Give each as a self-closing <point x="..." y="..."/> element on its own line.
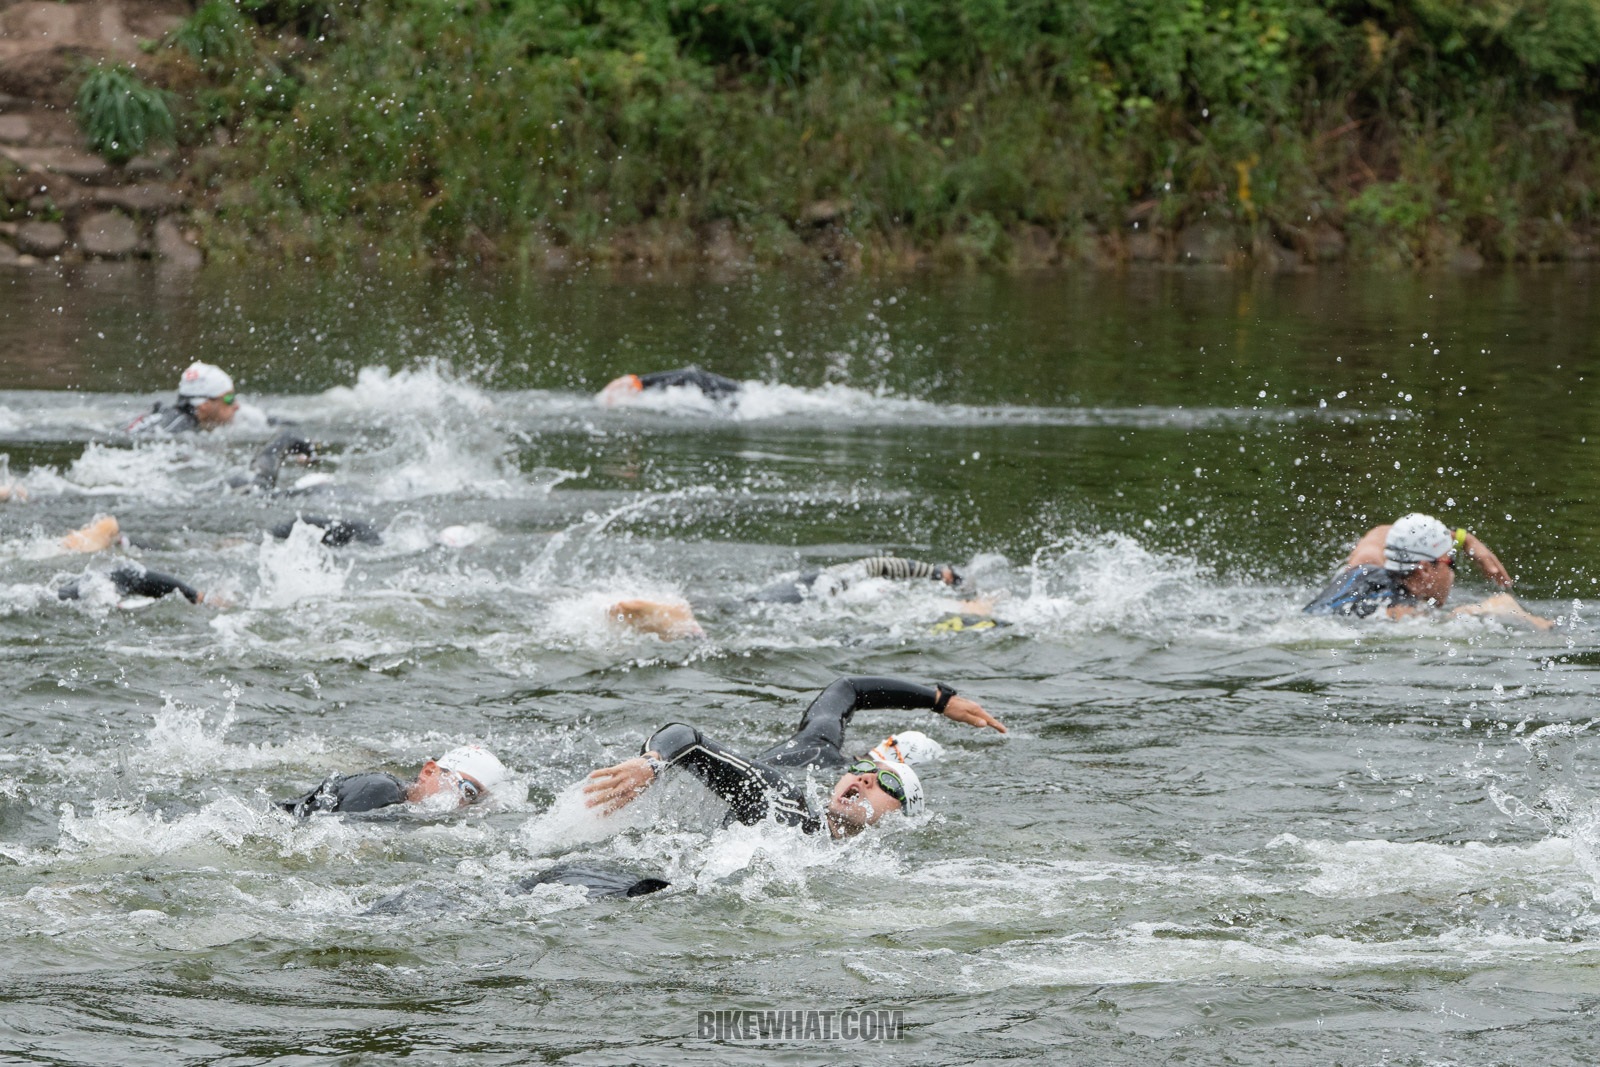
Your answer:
<point x="99" y="535"/>
<point x="668" y="621"/>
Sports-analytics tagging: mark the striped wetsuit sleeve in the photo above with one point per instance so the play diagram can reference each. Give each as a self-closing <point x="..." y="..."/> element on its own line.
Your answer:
<point x="900" y="568"/>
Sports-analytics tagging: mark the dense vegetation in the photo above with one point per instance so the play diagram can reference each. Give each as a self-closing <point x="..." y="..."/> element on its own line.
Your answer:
<point x="971" y="130"/>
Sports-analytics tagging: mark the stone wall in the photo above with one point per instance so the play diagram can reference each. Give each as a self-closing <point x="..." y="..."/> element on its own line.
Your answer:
<point x="57" y="199"/>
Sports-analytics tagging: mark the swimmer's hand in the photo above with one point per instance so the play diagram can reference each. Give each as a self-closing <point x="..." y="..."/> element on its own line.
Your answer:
<point x="613" y="788"/>
<point x="14" y="491"/>
<point x="960" y="709"/>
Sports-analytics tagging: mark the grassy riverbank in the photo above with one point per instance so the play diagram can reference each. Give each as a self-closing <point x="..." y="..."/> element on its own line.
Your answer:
<point x="962" y="131"/>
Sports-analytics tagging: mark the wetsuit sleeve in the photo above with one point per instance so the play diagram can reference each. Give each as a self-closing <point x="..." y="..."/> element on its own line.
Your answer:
<point x="821" y="730"/>
<point x="900" y="568"/>
<point x="131" y="582"/>
<point x="348" y="793"/>
<point x="751" y="790"/>
<point x="264" y="468"/>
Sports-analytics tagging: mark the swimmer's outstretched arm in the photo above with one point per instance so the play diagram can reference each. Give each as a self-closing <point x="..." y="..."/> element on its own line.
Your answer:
<point x="1504" y="606"/>
<point x="132" y="582"/>
<point x="752" y="791"/>
<point x="831" y="712"/>
<point x="1488" y="563"/>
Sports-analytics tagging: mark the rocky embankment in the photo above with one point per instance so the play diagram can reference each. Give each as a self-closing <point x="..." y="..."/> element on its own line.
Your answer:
<point x="58" y="199"/>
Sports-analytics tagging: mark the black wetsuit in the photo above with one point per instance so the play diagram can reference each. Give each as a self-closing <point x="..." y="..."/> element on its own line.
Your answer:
<point x="336" y="532"/>
<point x="755" y="789"/>
<point x="136" y="581"/>
<point x="714" y="386"/>
<point x="1362" y="591"/>
<point x="349" y="793"/>
<point x="599" y="881"/>
<point x="263" y="474"/>
<point x="178" y="418"/>
<point x="796" y="590"/>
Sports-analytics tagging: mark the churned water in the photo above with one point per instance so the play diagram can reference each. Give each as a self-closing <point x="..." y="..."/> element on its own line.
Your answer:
<point x="1218" y="831"/>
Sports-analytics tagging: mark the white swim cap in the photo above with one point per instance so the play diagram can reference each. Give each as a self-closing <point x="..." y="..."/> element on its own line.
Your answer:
<point x="907" y="746"/>
<point x="912" y="805"/>
<point x="1415" y="539"/>
<point x="203" y="381"/>
<point x="479" y="763"/>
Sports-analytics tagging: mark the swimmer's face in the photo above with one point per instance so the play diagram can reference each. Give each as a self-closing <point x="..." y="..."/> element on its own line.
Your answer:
<point x="434" y="779"/>
<point x="218" y="411"/>
<point x="621" y="389"/>
<point x="858" y="802"/>
<point x="1432" y="580"/>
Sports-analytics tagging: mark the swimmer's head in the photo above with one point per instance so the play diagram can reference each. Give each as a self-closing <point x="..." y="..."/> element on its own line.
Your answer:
<point x="206" y="390"/>
<point x="948" y="575"/>
<point x="869" y="790"/>
<point x="1415" y="540"/>
<point x="621" y="389"/>
<point x="477" y="764"/>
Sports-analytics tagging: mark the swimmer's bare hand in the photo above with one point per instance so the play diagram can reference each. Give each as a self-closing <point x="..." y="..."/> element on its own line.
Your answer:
<point x="15" y="491"/>
<point x="613" y="788"/>
<point x="961" y="709"/>
<point x="1488" y="562"/>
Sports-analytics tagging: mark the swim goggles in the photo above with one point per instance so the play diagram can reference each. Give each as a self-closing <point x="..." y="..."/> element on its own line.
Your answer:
<point x="1458" y="545"/>
<point x="888" y="781"/>
<point x="228" y="399"/>
<point x="469" y="790"/>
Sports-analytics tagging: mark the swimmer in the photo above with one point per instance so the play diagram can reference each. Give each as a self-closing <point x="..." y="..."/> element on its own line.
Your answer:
<point x="132" y="581"/>
<point x="872" y="786"/>
<point x="467" y="775"/>
<point x="712" y="386"/>
<point x="673" y="620"/>
<point x="206" y="401"/>
<point x="1410" y="567"/>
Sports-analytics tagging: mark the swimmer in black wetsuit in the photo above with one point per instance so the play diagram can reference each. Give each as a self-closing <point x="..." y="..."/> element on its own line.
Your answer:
<point x="136" y="581"/>
<point x="756" y="789"/>
<point x="206" y="400"/>
<point x="469" y="773"/>
<point x="712" y="386"/>
<point x="1409" y="567"/>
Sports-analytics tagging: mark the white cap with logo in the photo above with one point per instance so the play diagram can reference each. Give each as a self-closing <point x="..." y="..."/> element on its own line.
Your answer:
<point x="1415" y="539"/>
<point x="204" y="381"/>
<point x="478" y="763"/>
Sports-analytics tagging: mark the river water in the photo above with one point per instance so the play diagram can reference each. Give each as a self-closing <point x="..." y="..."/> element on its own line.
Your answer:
<point x="1218" y="831"/>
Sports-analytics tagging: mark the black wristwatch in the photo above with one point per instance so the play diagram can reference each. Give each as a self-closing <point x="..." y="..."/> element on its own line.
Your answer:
<point x="942" y="699"/>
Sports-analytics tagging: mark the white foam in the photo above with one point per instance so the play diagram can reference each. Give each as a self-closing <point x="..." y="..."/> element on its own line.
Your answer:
<point x="296" y="569"/>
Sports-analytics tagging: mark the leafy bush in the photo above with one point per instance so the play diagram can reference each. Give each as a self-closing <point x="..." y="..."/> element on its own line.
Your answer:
<point x="216" y="35"/>
<point x="121" y="115"/>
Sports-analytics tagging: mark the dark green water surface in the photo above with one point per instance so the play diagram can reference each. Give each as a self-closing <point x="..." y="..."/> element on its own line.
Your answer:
<point x="1219" y="831"/>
